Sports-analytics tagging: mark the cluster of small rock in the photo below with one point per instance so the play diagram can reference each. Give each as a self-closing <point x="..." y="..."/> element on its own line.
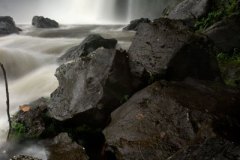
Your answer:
<point x="24" y="157"/>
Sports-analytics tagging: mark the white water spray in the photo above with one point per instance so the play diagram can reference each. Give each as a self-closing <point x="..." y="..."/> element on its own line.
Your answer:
<point x="85" y="11"/>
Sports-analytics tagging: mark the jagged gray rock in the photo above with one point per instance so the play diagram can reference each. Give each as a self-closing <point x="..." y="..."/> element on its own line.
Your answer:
<point x="226" y="33"/>
<point x="135" y="23"/>
<point x="92" y="85"/>
<point x="90" y="44"/>
<point x="166" y="116"/>
<point x="168" y="49"/>
<point x="215" y="148"/>
<point x="190" y="9"/>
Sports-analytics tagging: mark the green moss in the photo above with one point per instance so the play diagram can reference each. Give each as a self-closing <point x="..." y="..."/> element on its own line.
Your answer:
<point x="212" y="18"/>
<point x="220" y="10"/>
<point x="18" y="131"/>
<point x="233" y="58"/>
<point x="229" y="64"/>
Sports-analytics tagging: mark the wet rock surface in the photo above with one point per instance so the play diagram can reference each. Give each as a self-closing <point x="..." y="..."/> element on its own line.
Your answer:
<point x="168" y="49"/>
<point x="190" y="9"/>
<point x="7" y="25"/>
<point x="42" y="22"/>
<point x="89" y="44"/>
<point x="91" y="87"/>
<point x="164" y="118"/>
<point x="215" y="148"/>
<point x="133" y="26"/>
<point x="225" y="33"/>
<point x="63" y="148"/>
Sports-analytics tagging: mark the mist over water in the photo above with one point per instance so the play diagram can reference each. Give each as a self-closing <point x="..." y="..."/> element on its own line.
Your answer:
<point x="84" y="11"/>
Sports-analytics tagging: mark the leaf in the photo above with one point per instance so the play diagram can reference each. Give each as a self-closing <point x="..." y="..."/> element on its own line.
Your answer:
<point x="25" y="108"/>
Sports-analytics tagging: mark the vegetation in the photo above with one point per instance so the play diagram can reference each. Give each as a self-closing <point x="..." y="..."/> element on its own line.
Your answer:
<point x="230" y="67"/>
<point x="220" y="10"/>
<point x="226" y="57"/>
<point x="18" y="130"/>
<point x="229" y="63"/>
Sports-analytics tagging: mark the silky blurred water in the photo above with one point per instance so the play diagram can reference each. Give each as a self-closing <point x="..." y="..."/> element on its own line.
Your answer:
<point x="30" y="62"/>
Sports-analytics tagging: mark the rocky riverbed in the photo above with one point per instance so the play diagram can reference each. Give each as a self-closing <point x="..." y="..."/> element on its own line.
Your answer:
<point x="164" y="98"/>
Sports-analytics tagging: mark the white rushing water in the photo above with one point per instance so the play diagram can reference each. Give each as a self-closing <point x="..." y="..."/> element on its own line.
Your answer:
<point x="84" y="11"/>
<point x="30" y="63"/>
<point x="30" y="73"/>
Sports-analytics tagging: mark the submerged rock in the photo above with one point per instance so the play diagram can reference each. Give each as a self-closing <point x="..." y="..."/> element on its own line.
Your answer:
<point x="91" y="87"/>
<point x="190" y="9"/>
<point x="90" y="44"/>
<point x="42" y="22"/>
<point x="168" y="49"/>
<point x="135" y="23"/>
<point x="167" y="116"/>
<point x="226" y="33"/>
<point x="7" y="25"/>
<point x="215" y="148"/>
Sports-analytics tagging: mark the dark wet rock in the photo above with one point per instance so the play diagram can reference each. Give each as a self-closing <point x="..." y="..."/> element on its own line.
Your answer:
<point x="92" y="140"/>
<point x="7" y="25"/>
<point x="24" y="157"/>
<point x="168" y="49"/>
<point x="91" y="87"/>
<point x="190" y="9"/>
<point x="90" y="44"/>
<point x="31" y="117"/>
<point x="42" y="22"/>
<point x="167" y="116"/>
<point x="62" y="147"/>
<point x="144" y="129"/>
<point x="135" y="23"/>
<point x="215" y="148"/>
<point x="226" y="33"/>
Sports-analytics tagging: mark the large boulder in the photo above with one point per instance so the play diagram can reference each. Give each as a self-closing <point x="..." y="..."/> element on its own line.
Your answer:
<point x="226" y="33"/>
<point x="135" y="23"/>
<point x="89" y="44"/>
<point x="190" y="9"/>
<point x="168" y="49"/>
<point x="62" y="147"/>
<point x="7" y="25"/>
<point x="215" y="148"/>
<point x="167" y="116"/>
<point x="91" y="87"/>
<point x="42" y="22"/>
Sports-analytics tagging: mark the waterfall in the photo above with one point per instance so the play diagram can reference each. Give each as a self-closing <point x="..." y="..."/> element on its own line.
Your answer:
<point x="85" y="11"/>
